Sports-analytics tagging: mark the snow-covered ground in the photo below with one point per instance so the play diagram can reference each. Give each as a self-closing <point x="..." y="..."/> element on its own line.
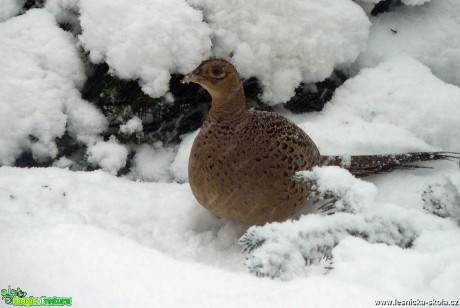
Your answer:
<point x="111" y="242"/>
<point x="120" y="242"/>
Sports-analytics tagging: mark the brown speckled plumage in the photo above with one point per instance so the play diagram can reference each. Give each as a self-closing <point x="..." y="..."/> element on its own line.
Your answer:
<point x="242" y="162"/>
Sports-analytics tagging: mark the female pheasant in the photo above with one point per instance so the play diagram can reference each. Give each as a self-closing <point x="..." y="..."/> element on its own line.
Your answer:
<point x="242" y="161"/>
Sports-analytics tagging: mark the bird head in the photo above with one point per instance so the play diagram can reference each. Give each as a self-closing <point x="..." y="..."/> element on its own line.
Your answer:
<point x="217" y="76"/>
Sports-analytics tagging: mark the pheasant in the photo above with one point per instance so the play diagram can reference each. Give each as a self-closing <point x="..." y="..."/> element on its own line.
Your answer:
<point x="242" y="162"/>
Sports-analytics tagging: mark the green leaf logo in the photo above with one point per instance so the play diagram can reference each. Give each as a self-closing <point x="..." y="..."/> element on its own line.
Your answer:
<point x="8" y="300"/>
<point x="10" y="294"/>
<point x="21" y="293"/>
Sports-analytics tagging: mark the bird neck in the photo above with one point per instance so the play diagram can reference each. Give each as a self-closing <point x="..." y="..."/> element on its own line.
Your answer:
<point x="230" y="106"/>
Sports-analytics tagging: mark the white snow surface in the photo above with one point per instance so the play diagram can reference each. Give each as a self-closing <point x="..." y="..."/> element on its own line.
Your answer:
<point x="415" y="2"/>
<point x="428" y="33"/>
<point x="282" y="45"/>
<point x="152" y="163"/>
<point x="132" y="126"/>
<point x="109" y="155"/>
<point x="65" y="11"/>
<point x="146" y="40"/>
<point x="95" y="235"/>
<point x="179" y="167"/>
<point x="442" y="199"/>
<point x="356" y="196"/>
<point x="9" y="8"/>
<point x="41" y="73"/>
<point x="398" y="106"/>
<point x="275" y="43"/>
<point x="406" y="2"/>
<point x="282" y="249"/>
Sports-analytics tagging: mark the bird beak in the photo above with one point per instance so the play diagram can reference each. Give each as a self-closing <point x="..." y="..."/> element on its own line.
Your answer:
<point x="189" y="78"/>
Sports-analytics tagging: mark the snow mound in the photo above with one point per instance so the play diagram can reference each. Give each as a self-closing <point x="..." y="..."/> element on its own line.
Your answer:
<point x="144" y="40"/>
<point x="406" y="2"/>
<point x="287" y="250"/>
<point x="161" y="216"/>
<point x="179" y="167"/>
<point x="10" y="8"/>
<point x="132" y="126"/>
<point x="89" y="224"/>
<point x="85" y="122"/>
<point x="442" y="199"/>
<point x="39" y="94"/>
<point x="398" y="106"/>
<point x="286" y="44"/>
<point x="420" y="31"/>
<point x="339" y="186"/>
<point x="415" y="2"/>
<point x="63" y="163"/>
<point x="109" y="155"/>
<point x="151" y="163"/>
<point x="96" y="267"/>
<point x="65" y="11"/>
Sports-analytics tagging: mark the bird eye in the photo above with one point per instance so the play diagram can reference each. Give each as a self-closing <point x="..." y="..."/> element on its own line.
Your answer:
<point x="217" y="72"/>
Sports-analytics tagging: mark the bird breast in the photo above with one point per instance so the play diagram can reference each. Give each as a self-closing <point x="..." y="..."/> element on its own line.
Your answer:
<point x="245" y="170"/>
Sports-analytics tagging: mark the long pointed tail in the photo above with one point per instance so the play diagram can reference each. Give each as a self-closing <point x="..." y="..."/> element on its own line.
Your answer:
<point x="363" y="165"/>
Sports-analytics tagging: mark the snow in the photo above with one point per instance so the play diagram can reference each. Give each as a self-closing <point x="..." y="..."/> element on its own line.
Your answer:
<point x="415" y="2"/>
<point x="146" y="40"/>
<point x="96" y="235"/>
<point x="406" y="2"/>
<point x="63" y="163"/>
<point x="442" y="199"/>
<point x="107" y="240"/>
<point x="39" y="94"/>
<point x="85" y="123"/>
<point x="179" y="167"/>
<point x="355" y="195"/>
<point x="152" y="163"/>
<point x="284" y="45"/>
<point x="281" y="249"/>
<point x="9" y="8"/>
<point x="62" y="9"/>
<point x="133" y="125"/>
<point x="428" y="33"/>
<point x="398" y="106"/>
<point x="278" y="46"/>
<point x="109" y="155"/>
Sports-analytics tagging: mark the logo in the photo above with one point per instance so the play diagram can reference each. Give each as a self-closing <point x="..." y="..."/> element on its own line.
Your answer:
<point x="19" y="298"/>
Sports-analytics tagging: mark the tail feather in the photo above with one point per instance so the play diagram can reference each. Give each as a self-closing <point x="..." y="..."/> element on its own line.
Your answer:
<point x="363" y="165"/>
